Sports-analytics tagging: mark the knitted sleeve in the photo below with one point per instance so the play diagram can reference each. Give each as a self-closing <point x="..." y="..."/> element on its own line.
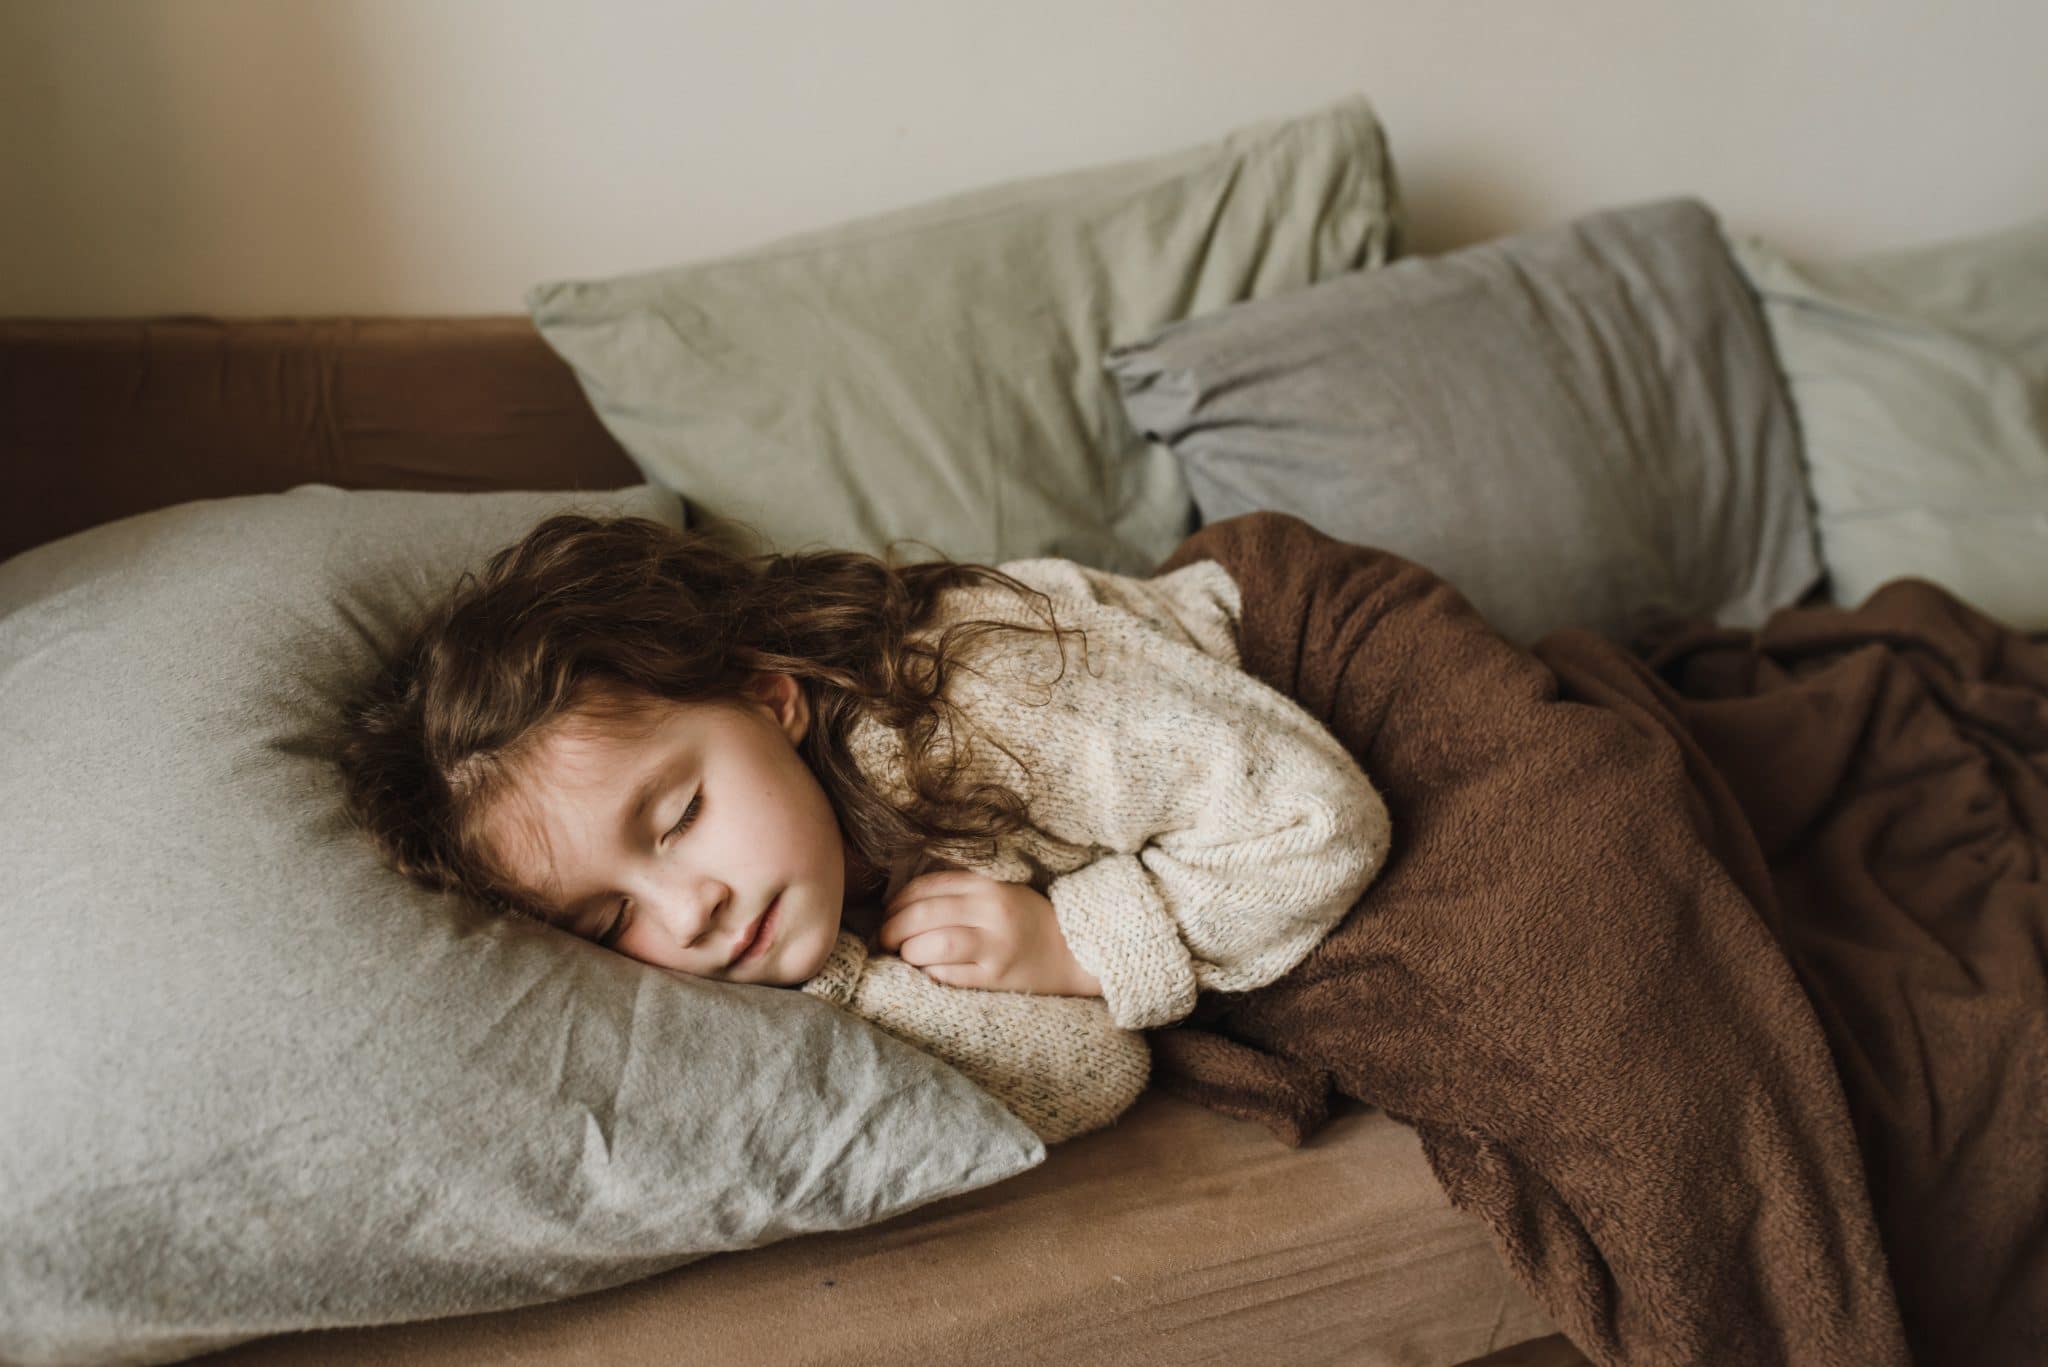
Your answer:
<point x="1058" y="1063"/>
<point x="1232" y="830"/>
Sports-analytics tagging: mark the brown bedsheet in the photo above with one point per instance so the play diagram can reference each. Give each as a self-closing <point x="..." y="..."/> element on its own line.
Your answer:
<point x="1708" y="982"/>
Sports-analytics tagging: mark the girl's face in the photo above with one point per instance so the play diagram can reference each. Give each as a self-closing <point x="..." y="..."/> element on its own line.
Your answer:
<point x="673" y="839"/>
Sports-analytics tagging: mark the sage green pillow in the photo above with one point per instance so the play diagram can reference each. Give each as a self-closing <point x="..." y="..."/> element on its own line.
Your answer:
<point x="251" y="1080"/>
<point x="936" y="372"/>
<point x="1920" y="380"/>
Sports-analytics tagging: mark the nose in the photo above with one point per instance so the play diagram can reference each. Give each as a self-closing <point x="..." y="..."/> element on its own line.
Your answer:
<point x="689" y="907"/>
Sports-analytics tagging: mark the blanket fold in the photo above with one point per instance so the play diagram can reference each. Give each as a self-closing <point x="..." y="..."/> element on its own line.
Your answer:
<point x="1679" y="957"/>
<point x="1895" y="758"/>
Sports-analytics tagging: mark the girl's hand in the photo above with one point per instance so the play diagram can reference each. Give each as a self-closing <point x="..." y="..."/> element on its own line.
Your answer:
<point x="967" y="930"/>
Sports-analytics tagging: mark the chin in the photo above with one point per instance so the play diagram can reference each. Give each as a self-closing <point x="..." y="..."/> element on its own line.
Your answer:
<point x="803" y="970"/>
<point x="806" y="968"/>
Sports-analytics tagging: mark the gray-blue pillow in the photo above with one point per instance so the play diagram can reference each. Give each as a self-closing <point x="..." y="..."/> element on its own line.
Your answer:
<point x="1581" y="426"/>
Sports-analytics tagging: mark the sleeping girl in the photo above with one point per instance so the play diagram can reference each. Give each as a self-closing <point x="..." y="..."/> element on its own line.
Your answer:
<point x="906" y="789"/>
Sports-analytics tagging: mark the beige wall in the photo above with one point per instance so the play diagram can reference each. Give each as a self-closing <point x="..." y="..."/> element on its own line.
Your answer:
<point x="435" y="156"/>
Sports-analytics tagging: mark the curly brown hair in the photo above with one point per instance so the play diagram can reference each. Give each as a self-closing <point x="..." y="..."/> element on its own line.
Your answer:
<point x="600" y="618"/>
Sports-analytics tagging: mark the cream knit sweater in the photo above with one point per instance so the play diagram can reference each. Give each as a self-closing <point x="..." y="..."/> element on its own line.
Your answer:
<point x="1192" y="827"/>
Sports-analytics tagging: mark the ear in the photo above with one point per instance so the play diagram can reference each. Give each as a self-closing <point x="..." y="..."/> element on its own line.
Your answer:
<point x="784" y="698"/>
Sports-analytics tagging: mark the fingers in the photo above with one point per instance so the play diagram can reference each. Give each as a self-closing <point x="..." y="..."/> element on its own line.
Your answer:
<point x="949" y="945"/>
<point x="935" y="923"/>
<point x="932" y="884"/>
<point x="920" y="917"/>
<point x="928" y="901"/>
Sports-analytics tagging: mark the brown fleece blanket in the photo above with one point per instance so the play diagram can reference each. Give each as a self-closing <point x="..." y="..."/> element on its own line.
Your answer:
<point x="1712" y="977"/>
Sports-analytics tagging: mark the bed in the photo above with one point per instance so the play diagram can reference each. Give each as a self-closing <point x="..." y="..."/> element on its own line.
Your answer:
<point x="1177" y="1235"/>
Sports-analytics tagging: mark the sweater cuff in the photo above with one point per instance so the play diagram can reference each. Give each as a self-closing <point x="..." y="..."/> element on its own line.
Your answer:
<point x="1120" y="931"/>
<point x="840" y="976"/>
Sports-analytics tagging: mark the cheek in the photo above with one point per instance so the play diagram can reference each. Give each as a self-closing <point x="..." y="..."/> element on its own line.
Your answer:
<point x="795" y="805"/>
<point x="828" y="843"/>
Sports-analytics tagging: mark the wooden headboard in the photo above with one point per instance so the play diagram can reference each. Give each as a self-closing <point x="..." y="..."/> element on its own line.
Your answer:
<point x="101" y="419"/>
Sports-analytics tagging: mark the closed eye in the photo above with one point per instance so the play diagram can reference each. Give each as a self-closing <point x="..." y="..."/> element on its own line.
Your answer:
<point x="689" y="815"/>
<point x="619" y="919"/>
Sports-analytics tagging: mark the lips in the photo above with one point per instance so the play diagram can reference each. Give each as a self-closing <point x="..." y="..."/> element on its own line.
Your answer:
<point x="757" y="934"/>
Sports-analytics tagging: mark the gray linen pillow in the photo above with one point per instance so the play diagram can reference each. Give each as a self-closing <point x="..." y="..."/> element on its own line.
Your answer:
<point x="1920" y="377"/>
<point x="1580" y="426"/>
<point x="935" y="372"/>
<point x="253" y="1081"/>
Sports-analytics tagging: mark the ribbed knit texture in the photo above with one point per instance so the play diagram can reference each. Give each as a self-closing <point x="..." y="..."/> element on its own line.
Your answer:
<point x="1056" y="1062"/>
<point x="1192" y="827"/>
